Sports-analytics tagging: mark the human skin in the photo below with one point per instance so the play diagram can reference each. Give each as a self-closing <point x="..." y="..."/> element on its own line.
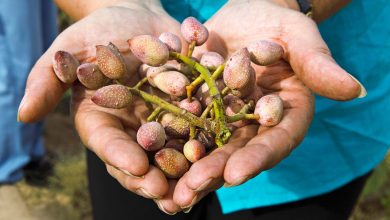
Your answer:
<point x="111" y="133"/>
<point x="307" y="59"/>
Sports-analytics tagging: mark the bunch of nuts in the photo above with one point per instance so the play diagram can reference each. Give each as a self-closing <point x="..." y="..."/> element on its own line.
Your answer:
<point x="207" y="99"/>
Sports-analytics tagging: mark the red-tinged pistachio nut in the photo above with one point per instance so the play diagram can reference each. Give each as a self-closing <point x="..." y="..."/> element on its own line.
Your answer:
<point x="171" y="162"/>
<point x="265" y="53"/>
<point x="194" y="106"/>
<point x="250" y="86"/>
<point x="166" y="118"/>
<point x="202" y="94"/>
<point x="65" y="66"/>
<point x="110" y="61"/>
<point x="211" y="60"/>
<point x="270" y="110"/>
<point x="151" y="136"/>
<point x="172" y="41"/>
<point x="149" y="50"/>
<point x="193" y="30"/>
<point x="194" y="150"/>
<point x="112" y="96"/>
<point x="171" y="82"/>
<point x="178" y="128"/>
<point x="233" y="105"/>
<point x="206" y="139"/>
<point x="90" y="76"/>
<point x="175" y="144"/>
<point x="154" y="71"/>
<point x="237" y="72"/>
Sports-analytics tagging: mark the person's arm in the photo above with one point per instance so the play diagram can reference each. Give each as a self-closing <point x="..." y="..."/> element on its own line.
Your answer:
<point x="322" y="9"/>
<point x="79" y="9"/>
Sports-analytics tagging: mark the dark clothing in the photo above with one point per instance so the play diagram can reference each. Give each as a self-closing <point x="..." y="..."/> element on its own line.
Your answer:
<point x="111" y="201"/>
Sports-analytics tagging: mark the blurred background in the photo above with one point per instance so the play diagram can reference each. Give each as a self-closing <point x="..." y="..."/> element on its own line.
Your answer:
<point x="65" y="196"/>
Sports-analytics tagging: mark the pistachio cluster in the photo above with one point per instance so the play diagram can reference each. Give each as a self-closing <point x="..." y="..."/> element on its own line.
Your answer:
<point x="204" y="101"/>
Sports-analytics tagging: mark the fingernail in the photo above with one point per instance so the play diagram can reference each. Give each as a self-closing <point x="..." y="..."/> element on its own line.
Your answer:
<point x="187" y="210"/>
<point x="161" y="207"/>
<point x="141" y="191"/>
<point x="363" y="91"/>
<point x="194" y="200"/>
<point x="203" y="185"/>
<point x="237" y="182"/>
<point x="130" y="174"/>
<point x="20" y="107"/>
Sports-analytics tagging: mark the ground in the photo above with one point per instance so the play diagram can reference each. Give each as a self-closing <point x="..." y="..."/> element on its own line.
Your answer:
<point x="65" y="196"/>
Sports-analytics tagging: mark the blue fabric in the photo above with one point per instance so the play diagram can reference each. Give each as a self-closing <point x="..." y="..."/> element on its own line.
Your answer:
<point x="346" y="139"/>
<point x="27" y="28"/>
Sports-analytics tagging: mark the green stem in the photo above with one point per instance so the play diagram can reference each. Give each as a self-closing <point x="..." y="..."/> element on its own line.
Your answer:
<point x="154" y="114"/>
<point x="191" y="118"/>
<point x="239" y="116"/>
<point x="206" y="111"/>
<point x="141" y="82"/>
<point x="242" y="114"/>
<point x="225" y="91"/>
<point x="247" y="107"/>
<point x="192" y="132"/>
<point x="221" y="129"/>
<point x="191" y="48"/>
<point x="199" y="80"/>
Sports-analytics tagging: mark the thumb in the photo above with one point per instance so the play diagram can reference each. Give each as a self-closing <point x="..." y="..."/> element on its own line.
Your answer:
<point x="311" y="60"/>
<point x="43" y="89"/>
<point x="43" y="92"/>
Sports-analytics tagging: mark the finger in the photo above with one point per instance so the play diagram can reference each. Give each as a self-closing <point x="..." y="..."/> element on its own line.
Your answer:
<point x="103" y="134"/>
<point x="272" y="144"/>
<point x="207" y="174"/>
<point x="166" y="203"/>
<point x="153" y="185"/>
<point x="311" y="60"/>
<point x="44" y="90"/>
<point x="194" y="197"/>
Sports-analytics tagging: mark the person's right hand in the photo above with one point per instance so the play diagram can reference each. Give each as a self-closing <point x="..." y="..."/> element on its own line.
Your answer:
<point x="110" y="134"/>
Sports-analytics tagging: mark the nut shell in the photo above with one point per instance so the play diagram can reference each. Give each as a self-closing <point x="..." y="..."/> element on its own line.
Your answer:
<point x="90" y="76"/>
<point x="270" y="110"/>
<point x="112" y="96"/>
<point x="110" y="61"/>
<point x="265" y="53"/>
<point x="149" y="50"/>
<point x="171" y="162"/>
<point x="193" y="30"/>
<point x="65" y="66"/>
<point x="151" y="136"/>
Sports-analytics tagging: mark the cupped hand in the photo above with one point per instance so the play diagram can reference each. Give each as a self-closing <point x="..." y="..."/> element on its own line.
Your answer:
<point x="307" y="65"/>
<point x="108" y="133"/>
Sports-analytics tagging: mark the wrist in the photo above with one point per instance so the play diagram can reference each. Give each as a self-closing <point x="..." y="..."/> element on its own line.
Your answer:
<point x="291" y="4"/>
<point x="79" y="9"/>
<point x="152" y="5"/>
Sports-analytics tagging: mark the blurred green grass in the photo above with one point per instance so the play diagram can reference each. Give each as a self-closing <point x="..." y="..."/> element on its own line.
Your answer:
<point x="374" y="202"/>
<point x="66" y="194"/>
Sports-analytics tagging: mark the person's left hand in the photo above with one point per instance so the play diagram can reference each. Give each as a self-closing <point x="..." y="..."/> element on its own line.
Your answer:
<point x="307" y="62"/>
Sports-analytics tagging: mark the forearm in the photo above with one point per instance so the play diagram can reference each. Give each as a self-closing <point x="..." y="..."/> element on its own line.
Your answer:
<point x="78" y="9"/>
<point x="322" y="9"/>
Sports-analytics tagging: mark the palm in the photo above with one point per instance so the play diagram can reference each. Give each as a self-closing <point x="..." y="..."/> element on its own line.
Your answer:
<point x="108" y="133"/>
<point x="262" y="147"/>
<point x="307" y="59"/>
<point x="111" y="133"/>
